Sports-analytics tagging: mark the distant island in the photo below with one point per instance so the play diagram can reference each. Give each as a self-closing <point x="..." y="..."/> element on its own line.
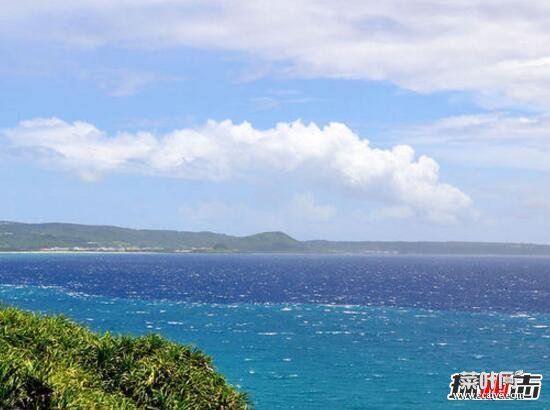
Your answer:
<point x="64" y="237"/>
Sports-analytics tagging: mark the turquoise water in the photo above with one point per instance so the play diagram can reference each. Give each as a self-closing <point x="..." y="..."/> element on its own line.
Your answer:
<point x="313" y="331"/>
<point x="312" y="356"/>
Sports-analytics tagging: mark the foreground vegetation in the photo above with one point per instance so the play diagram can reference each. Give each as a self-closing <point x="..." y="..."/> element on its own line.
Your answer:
<point x="50" y="362"/>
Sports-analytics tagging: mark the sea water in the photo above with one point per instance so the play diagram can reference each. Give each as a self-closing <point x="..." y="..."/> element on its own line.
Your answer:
<point x="313" y="331"/>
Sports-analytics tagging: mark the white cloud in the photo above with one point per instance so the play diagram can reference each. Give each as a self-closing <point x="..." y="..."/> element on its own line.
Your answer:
<point x="488" y="140"/>
<point x="278" y="98"/>
<point x="497" y="127"/>
<point x="333" y="156"/>
<point x="498" y="49"/>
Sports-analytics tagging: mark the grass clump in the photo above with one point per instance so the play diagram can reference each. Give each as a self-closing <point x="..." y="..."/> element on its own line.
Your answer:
<point x="49" y="362"/>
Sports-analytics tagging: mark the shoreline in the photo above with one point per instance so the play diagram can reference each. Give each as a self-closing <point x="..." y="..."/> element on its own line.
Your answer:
<point x="259" y="252"/>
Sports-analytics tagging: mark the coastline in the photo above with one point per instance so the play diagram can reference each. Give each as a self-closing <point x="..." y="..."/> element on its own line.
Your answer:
<point x="259" y="252"/>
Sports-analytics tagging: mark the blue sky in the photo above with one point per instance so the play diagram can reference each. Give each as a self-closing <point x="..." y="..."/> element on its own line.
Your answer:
<point x="239" y="118"/>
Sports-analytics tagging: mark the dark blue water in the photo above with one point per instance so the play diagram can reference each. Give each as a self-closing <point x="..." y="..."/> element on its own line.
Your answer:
<point x="450" y="283"/>
<point x="313" y="332"/>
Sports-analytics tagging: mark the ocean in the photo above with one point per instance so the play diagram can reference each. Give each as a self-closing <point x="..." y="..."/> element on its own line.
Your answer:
<point x="313" y="331"/>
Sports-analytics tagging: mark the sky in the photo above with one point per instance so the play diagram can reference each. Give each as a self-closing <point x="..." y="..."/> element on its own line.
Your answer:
<point x="381" y="120"/>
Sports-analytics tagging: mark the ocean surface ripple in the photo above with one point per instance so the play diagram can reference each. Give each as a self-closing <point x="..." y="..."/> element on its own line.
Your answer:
<point x="311" y="331"/>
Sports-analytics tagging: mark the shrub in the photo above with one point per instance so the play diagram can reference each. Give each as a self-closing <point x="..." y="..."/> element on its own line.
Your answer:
<point x="50" y="362"/>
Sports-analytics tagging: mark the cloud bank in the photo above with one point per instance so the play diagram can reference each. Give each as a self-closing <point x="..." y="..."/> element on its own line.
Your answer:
<point x="332" y="156"/>
<point x="497" y="49"/>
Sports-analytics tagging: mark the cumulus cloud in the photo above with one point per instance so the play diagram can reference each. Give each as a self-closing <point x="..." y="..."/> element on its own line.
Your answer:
<point x="497" y="49"/>
<point x="333" y="156"/>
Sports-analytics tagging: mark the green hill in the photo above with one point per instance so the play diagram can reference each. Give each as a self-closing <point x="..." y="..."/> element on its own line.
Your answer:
<point x="52" y="363"/>
<point x="15" y="236"/>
